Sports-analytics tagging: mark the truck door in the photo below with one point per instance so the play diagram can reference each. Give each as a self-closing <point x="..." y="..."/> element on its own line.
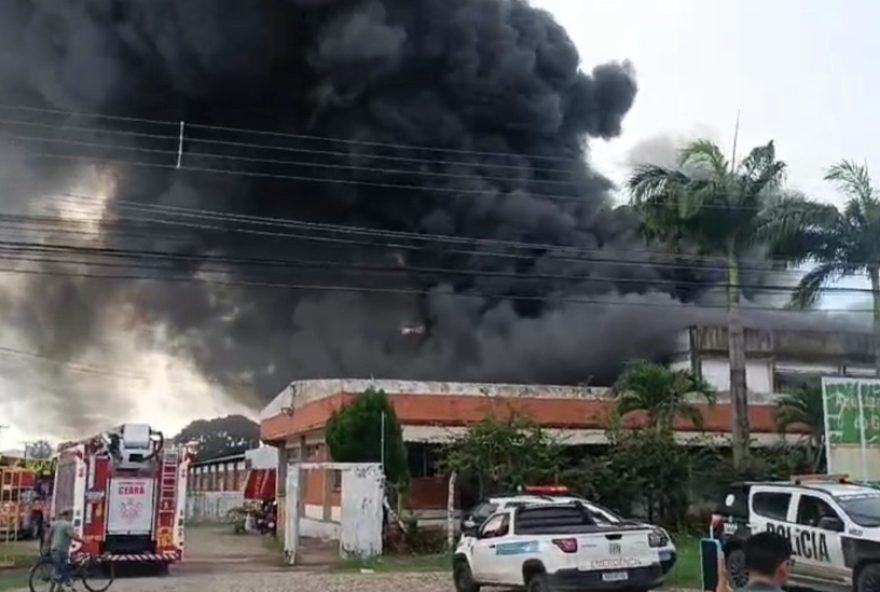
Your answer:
<point x="769" y="509"/>
<point x="130" y="506"/>
<point x="485" y="564"/>
<point x="816" y="540"/>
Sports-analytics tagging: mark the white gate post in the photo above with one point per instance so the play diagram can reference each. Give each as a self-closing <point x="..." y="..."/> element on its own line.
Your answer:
<point x="363" y="491"/>
<point x="291" y="513"/>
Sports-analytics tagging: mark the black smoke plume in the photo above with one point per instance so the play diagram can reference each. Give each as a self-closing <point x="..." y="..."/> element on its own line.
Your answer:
<point x="460" y="117"/>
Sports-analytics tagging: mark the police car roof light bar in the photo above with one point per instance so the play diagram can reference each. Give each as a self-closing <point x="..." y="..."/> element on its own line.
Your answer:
<point x="546" y="489"/>
<point x="820" y="478"/>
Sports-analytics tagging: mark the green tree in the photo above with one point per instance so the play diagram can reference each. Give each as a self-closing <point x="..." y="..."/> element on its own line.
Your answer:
<point x="504" y="454"/>
<point x="39" y="450"/>
<point x="803" y="407"/>
<point x="662" y="394"/>
<point x="848" y="243"/>
<point x="220" y="436"/>
<point x="724" y="209"/>
<point x="354" y="434"/>
<point x="650" y="471"/>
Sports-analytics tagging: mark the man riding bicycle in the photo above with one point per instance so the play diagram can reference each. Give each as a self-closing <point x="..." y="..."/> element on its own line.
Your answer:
<point x="59" y="539"/>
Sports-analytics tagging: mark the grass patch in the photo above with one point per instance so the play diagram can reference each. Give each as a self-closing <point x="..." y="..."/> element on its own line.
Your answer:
<point x="686" y="573"/>
<point x="11" y="579"/>
<point x="399" y="563"/>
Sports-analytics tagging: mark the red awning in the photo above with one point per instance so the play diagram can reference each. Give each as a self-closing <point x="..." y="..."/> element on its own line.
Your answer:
<point x="260" y="484"/>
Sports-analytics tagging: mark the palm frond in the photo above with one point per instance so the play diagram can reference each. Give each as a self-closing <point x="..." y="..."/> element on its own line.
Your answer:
<point x="795" y="229"/>
<point x="761" y="170"/>
<point x="705" y="152"/>
<point x="802" y="406"/>
<point x="853" y="179"/>
<point x="650" y="181"/>
<point x="692" y="414"/>
<point x="808" y="290"/>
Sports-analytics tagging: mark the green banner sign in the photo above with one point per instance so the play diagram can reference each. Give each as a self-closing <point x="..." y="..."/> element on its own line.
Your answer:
<point x="851" y="405"/>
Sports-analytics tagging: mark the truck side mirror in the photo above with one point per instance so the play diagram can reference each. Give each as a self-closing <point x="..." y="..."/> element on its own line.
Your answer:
<point x="469" y="527"/>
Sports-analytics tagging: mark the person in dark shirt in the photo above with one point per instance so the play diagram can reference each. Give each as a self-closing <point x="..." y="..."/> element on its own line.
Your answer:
<point x="768" y="561"/>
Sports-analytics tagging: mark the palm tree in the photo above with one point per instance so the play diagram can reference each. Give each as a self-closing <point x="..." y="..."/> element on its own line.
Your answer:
<point x="723" y="209"/>
<point x="803" y="407"/>
<point x="661" y="393"/>
<point x="849" y="243"/>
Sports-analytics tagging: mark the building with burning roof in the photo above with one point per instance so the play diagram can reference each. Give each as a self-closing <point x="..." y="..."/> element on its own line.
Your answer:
<point x="432" y="413"/>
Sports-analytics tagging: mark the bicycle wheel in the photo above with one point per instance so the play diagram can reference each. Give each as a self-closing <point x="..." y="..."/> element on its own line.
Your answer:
<point x="42" y="576"/>
<point x="97" y="575"/>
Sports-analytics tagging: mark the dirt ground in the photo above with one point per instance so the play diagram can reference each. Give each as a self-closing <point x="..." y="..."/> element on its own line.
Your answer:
<point x="218" y="561"/>
<point x="215" y="549"/>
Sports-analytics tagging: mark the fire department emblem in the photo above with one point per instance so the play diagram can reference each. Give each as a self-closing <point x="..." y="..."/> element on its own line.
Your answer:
<point x="131" y="509"/>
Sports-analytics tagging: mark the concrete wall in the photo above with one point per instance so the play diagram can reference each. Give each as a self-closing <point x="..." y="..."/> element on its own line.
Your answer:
<point x="211" y="506"/>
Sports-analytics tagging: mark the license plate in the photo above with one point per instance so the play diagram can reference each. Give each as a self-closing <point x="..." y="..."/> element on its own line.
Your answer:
<point x="615" y="576"/>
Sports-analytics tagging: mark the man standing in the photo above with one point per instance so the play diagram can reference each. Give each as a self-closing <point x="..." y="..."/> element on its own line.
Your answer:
<point x="768" y="561"/>
<point x="59" y="538"/>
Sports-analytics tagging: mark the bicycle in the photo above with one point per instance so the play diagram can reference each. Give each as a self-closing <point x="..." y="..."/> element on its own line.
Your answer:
<point x="96" y="575"/>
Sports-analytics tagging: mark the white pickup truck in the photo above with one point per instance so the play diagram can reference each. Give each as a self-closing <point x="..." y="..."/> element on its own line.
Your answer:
<point x="558" y="547"/>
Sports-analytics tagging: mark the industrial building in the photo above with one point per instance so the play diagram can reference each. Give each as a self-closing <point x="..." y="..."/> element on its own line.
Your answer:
<point x="432" y="413"/>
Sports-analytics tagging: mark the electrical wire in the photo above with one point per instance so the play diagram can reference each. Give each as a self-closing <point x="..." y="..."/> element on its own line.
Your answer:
<point x="416" y="292"/>
<point x="714" y="262"/>
<point x="16" y="248"/>
<point x="410" y="173"/>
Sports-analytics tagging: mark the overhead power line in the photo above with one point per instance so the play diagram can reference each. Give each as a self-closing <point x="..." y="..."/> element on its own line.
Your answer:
<point x="14" y="250"/>
<point x="417" y="173"/>
<point x="683" y="260"/>
<point x="416" y="291"/>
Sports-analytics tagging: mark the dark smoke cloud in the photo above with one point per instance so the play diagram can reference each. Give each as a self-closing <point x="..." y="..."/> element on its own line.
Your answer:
<point x="496" y="78"/>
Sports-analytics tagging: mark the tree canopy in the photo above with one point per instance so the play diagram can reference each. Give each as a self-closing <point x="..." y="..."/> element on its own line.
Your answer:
<point x="220" y="436"/>
<point x="728" y="210"/>
<point x="848" y="243"/>
<point x="504" y="454"/>
<point x="662" y="394"/>
<point x="354" y="434"/>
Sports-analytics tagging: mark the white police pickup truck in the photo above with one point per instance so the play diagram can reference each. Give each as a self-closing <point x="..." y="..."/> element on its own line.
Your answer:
<point x="561" y="546"/>
<point x="833" y="527"/>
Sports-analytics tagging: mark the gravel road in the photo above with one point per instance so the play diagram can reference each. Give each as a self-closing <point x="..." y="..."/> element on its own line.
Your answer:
<point x="287" y="581"/>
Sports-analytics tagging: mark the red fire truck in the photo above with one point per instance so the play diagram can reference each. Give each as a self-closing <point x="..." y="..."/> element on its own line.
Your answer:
<point x="25" y="494"/>
<point x="126" y="490"/>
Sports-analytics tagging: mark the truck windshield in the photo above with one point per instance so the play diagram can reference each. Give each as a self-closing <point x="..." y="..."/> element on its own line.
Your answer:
<point x="864" y="509"/>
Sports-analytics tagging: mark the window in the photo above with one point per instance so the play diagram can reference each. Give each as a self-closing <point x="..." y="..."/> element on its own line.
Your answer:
<point x="812" y="509"/>
<point x="552" y="519"/>
<point x="496" y="526"/>
<point x="864" y="509"/>
<point x="483" y="511"/>
<point x="773" y="505"/>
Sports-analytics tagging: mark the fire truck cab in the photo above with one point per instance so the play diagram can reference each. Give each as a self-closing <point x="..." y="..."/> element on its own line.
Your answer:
<point x="126" y="491"/>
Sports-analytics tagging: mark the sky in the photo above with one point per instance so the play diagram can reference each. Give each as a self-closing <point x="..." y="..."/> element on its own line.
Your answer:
<point x="800" y="72"/>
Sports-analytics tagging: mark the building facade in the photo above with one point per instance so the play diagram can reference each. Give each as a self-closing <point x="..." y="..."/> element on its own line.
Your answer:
<point x="216" y="485"/>
<point x="433" y="413"/>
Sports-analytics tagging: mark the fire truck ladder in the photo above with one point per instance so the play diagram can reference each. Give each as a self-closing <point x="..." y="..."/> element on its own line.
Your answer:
<point x="10" y="512"/>
<point x="168" y="488"/>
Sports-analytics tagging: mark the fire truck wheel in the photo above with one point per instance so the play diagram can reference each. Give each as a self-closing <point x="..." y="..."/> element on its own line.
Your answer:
<point x="162" y="569"/>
